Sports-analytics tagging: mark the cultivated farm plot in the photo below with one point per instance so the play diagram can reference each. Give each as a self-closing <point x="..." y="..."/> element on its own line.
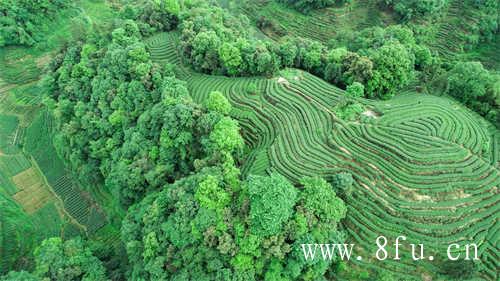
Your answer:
<point x="32" y="192"/>
<point x="327" y="22"/>
<point x="29" y="166"/>
<point x="29" y="171"/>
<point x="78" y="205"/>
<point x="8" y="134"/>
<point x="425" y="166"/>
<point x="163" y="48"/>
<point x="14" y="164"/>
<point x="17" y="234"/>
<point x="453" y="31"/>
<point x="18" y="66"/>
<point x="28" y="209"/>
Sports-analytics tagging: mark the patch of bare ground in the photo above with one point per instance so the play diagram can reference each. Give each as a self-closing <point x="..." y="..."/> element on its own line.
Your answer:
<point x="345" y="150"/>
<point x="283" y="81"/>
<point x="371" y="113"/>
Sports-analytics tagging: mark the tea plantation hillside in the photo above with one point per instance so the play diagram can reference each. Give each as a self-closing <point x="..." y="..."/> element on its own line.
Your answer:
<point x="424" y="166"/>
<point x="34" y="181"/>
<point x="457" y="29"/>
<point x="39" y="198"/>
<point x="207" y="140"/>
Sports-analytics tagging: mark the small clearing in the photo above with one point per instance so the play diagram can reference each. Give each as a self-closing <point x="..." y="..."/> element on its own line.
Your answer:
<point x="345" y="150"/>
<point x="283" y="81"/>
<point x="371" y="113"/>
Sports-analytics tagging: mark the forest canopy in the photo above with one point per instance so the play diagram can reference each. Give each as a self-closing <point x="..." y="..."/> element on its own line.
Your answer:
<point x="206" y="229"/>
<point x="22" y="21"/>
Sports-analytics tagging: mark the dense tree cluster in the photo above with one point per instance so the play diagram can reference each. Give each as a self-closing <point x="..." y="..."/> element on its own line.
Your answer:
<point x="410" y="9"/>
<point x="125" y="120"/>
<point x="214" y="41"/>
<point x="394" y="53"/>
<point x="152" y="16"/>
<point x="382" y="60"/>
<point x="21" y="21"/>
<point x="308" y="5"/>
<point x="203" y="227"/>
<point x="477" y="88"/>
<point x="70" y="260"/>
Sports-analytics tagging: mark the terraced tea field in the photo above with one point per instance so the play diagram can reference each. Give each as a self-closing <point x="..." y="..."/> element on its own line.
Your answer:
<point x="424" y="166"/>
<point x="35" y="188"/>
<point x="446" y="36"/>
<point x="39" y="198"/>
<point x="328" y="21"/>
<point x="453" y="29"/>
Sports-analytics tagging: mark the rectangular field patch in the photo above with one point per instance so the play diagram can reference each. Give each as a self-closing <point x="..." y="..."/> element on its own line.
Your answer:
<point x="32" y="193"/>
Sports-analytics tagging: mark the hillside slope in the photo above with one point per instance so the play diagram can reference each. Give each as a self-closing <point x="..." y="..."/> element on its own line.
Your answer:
<point x="425" y="166"/>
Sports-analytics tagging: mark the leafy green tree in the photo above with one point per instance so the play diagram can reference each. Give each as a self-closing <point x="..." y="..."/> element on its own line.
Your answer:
<point x="226" y="135"/>
<point x="70" y="260"/>
<point x="423" y="57"/>
<point x="230" y="58"/>
<point x="356" y="68"/>
<point x="349" y="110"/>
<point x="252" y="88"/>
<point x="266" y="62"/>
<point x="153" y="16"/>
<point x="319" y="198"/>
<point x="204" y="54"/>
<point x="318" y="212"/>
<point x="355" y="90"/>
<point x="217" y="102"/>
<point x="334" y="68"/>
<point x="468" y="81"/>
<point x="393" y="68"/>
<point x="409" y="9"/>
<point x="271" y="203"/>
<point x="343" y="183"/>
<point x="313" y="58"/>
<point x="288" y="53"/>
<point x="476" y="87"/>
<point x="211" y="195"/>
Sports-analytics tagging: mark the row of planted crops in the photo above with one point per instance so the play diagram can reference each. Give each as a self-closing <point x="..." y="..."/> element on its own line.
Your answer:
<point x="424" y="166"/>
